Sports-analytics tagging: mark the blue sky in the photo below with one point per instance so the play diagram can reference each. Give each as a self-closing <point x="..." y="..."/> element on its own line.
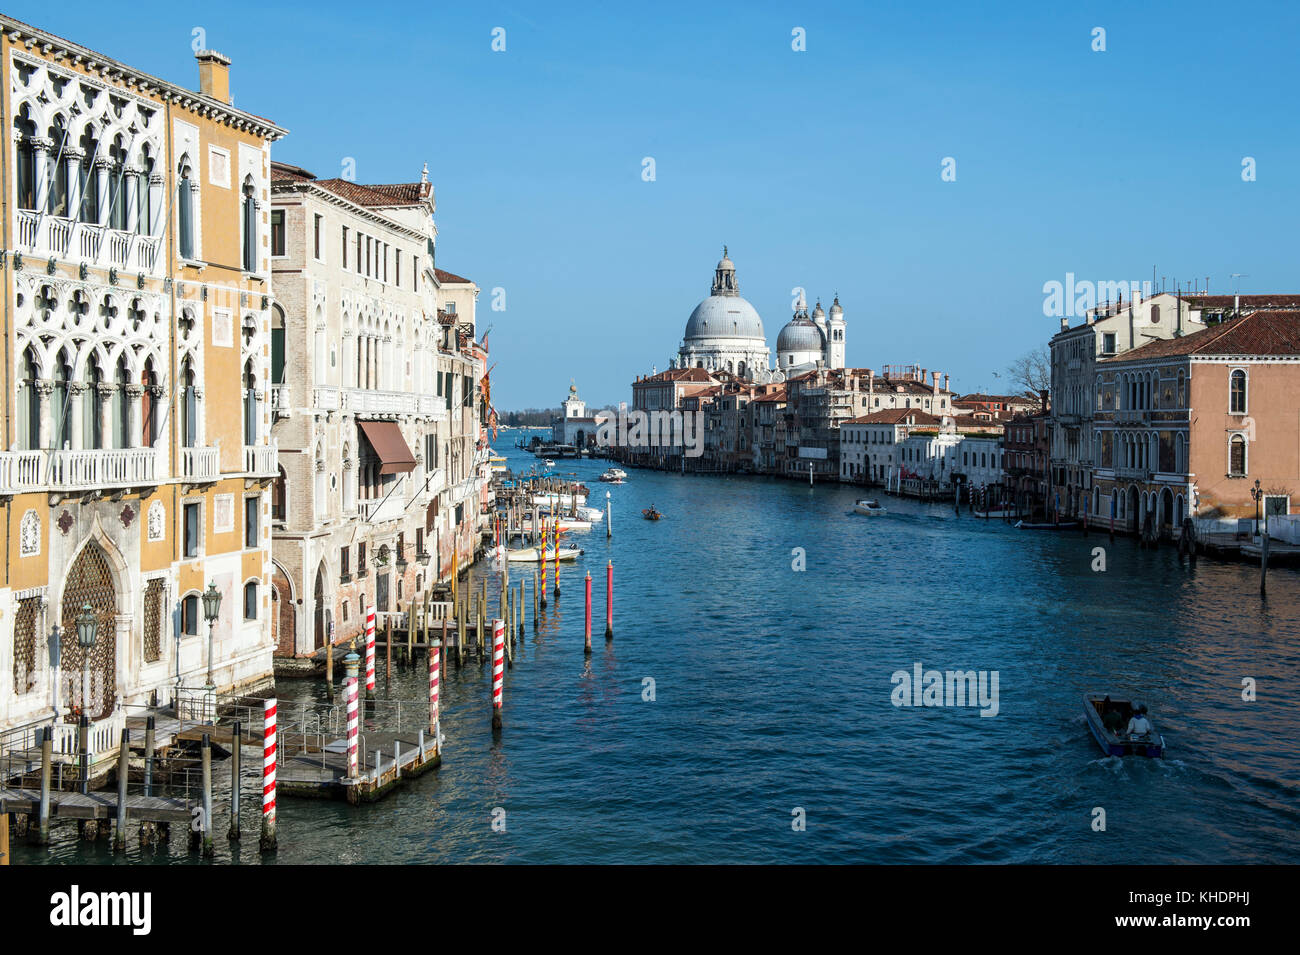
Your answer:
<point x="819" y="168"/>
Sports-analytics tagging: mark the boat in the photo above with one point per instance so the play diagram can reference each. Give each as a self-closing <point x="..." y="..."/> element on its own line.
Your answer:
<point x="1120" y="744"/>
<point x="593" y="514"/>
<point x="566" y="524"/>
<point x="614" y="476"/>
<point x="549" y="463"/>
<point x="529" y="554"/>
<point x="1048" y="526"/>
<point x="565" y="501"/>
<point x="995" y="512"/>
<point x="871" y="508"/>
<point x="650" y="514"/>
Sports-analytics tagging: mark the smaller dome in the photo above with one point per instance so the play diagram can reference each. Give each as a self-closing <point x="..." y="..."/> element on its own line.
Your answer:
<point x="799" y="335"/>
<point x="817" y="312"/>
<point x="835" y="307"/>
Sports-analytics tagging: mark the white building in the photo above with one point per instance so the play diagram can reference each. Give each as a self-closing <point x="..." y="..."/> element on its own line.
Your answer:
<point x="575" y="426"/>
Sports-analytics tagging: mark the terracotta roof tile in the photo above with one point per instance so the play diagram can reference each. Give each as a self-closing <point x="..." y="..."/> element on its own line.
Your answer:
<point x="451" y="278"/>
<point x="1266" y="332"/>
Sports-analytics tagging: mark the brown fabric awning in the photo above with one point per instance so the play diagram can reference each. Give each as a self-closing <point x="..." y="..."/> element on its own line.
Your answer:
<point x="391" y="448"/>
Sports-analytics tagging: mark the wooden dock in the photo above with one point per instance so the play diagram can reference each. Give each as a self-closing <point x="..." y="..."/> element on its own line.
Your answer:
<point x="322" y="772"/>
<point x="98" y="805"/>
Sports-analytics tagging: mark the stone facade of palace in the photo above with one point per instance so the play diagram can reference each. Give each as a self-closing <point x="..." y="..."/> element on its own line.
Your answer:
<point x="137" y="312"/>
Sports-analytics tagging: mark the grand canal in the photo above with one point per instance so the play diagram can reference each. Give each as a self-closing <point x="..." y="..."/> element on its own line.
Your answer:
<point x="772" y="693"/>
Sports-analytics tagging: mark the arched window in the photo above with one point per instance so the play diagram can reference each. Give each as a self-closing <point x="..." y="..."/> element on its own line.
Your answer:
<point x="1237" y="456"/>
<point x="25" y="158"/>
<point x="117" y="188"/>
<point x="250" y="405"/>
<point x="279" y="496"/>
<point x="121" y="405"/>
<point x="88" y="207"/>
<point x="1155" y="314"/>
<point x="189" y="405"/>
<point x="60" y="418"/>
<point x="143" y="201"/>
<point x="56" y="201"/>
<point x="1237" y="392"/>
<point x="29" y="405"/>
<point x="250" y="600"/>
<point x="250" y="225"/>
<point x="1182" y="389"/>
<point x="185" y="210"/>
<point x="148" y="424"/>
<point x="92" y="420"/>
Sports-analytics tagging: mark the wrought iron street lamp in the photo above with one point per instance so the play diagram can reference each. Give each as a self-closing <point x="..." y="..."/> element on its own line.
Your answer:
<point x="211" y="607"/>
<point x="1257" y="495"/>
<point x="87" y="631"/>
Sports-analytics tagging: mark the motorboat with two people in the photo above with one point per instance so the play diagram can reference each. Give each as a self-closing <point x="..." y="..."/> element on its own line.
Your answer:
<point x="1121" y="727"/>
<point x="614" y="476"/>
<point x="870" y="508"/>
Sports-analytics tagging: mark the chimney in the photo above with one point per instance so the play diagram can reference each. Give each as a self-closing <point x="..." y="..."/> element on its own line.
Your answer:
<point x="871" y="381"/>
<point x="935" y="389"/>
<point x="945" y="382"/>
<point x="214" y="74"/>
<point x="1236" y="305"/>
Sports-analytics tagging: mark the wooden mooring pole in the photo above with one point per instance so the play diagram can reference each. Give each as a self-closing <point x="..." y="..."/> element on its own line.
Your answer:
<point x="236" y="744"/>
<point x="206" y="754"/>
<point x="123" y="776"/>
<point x="609" y="600"/>
<point x="47" y="766"/>
<point x="586" y="629"/>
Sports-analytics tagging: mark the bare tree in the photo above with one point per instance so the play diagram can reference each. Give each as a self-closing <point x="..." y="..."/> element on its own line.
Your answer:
<point x="1032" y="371"/>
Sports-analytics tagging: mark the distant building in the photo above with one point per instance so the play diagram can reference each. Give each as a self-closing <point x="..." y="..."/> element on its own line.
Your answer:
<point x="1193" y="425"/>
<point x="574" y="426"/>
<point x="808" y="342"/>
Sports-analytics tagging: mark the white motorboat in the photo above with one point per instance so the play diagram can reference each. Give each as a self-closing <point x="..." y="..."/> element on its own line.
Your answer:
<point x="870" y="508"/>
<point x="565" y="501"/>
<point x="549" y="463"/>
<point x="614" y="476"/>
<point x="529" y="554"/>
<point x="566" y="524"/>
<point x="593" y="514"/>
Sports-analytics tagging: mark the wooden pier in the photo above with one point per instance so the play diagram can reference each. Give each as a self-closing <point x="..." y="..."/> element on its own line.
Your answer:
<point x="322" y="772"/>
<point x="98" y="805"/>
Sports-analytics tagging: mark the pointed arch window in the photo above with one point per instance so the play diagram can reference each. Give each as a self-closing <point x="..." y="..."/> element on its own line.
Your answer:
<point x="121" y="405"/>
<point x="25" y="156"/>
<point x="29" y="405"/>
<point x="92" y="421"/>
<point x="60" y="419"/>
<point x="250" y="225"/>
<point x="117" y="189"/>
<point x="185" y="211"/>
<point x="143" y="201"/>
<point x="88" y="208"/>
<point x="250" y="405"/>
<point x="190" y="406"/>
<point x="56" y="201"/>
<point x="148" y="410"/>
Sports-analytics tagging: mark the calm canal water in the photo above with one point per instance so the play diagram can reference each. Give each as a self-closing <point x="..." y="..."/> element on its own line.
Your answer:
<point x="772" y="691"/>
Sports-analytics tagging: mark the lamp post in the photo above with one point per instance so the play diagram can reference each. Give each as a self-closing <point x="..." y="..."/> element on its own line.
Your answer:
<point x="87" y="627"/>
<point x="211" y="607"/>
<point x="87" y="630"/>
<point x="1257" y="495"/>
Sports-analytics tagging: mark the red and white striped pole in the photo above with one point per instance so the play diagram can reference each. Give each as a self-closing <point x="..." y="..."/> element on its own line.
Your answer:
<point x="498" y="668"/>
<point x="350" y="687"/>
<point x="435" y="676"/>
<point x="267" y="843"/>
<point x="370" y="653"/>
<point x="609" y="600"/>
<point x="586" y="629"/>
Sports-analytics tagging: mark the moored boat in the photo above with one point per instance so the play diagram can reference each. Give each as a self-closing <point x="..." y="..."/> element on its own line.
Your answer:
<point x="1117" y="742"/>
<point x="614" y="476"/>
<point x="871" y="508"/>
<point x="530" y="554"/>
<point x="1062" y="526"/>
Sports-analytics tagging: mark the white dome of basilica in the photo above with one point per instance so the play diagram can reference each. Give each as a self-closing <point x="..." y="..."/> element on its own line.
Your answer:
<point x="724" y="316"/>
<point x="799" y="334"/>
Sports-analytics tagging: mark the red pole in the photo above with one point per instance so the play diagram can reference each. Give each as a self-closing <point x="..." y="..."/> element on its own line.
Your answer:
<point x="609" y="600"/>
<point x="586" y="630"/>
